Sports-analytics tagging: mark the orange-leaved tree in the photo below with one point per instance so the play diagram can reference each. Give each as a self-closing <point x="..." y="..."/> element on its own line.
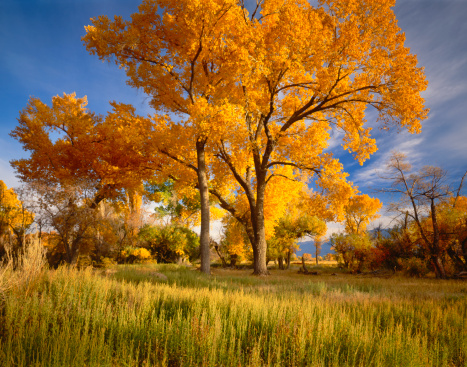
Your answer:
<point x="305" y="71"/>
<point x="70" y="145"/>
<point x="183" y="60"/>
<point x="73" y="149"/>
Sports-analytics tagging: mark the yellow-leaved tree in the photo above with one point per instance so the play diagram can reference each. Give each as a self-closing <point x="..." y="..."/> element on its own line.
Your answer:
<point x="305" y="71"/>
<point x="14" y="219"/>
<point x="183" y="61"/>
<point x="359" y="212"/>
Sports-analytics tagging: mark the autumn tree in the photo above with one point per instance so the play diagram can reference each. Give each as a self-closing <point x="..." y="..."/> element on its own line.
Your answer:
<point x="290" y="228"/>
<point x="279" y="78"/>
<point x="360" y="210"/>
<point x="234" y="245"/>
<point x="452" y="223"/>
<point x="182" y="61"/>
<point x="423" y="196"/>
<point x="70" y="146"/>
<point x="15" y="219"/>
<point x="66" y="213"/>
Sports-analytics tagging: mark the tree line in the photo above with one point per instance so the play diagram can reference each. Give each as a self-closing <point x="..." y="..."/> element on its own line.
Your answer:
<point x="244" y="104"/>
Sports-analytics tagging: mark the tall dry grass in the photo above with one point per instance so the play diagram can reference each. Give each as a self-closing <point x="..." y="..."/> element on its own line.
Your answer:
<point x="21" y="274"/>
<point x="133" y="318"/>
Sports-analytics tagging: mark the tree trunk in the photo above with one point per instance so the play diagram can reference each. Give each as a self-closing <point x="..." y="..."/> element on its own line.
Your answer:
<point x="204" y="193"/>
<point x="439" y="267"/>
<point x="305" y="270"/>
<point x="233" y="260"/>
<point x="289" y="255"/>
<point x="441" y="273"/>
<point x="281" y="263"/>
<point x="224" y="263"/>
<point x="260" y="248"/>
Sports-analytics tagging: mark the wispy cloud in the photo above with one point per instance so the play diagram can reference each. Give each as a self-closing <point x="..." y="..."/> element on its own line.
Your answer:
<point x="370" y="174"/>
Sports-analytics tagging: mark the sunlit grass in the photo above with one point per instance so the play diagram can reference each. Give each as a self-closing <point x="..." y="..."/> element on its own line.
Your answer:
<point x="131" y="317"/>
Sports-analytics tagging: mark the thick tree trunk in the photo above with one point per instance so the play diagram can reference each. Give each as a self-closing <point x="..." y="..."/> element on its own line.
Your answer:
<point x="260" y="248"/>
<point x="260" y="267"/>
<point x="204" y="193"/>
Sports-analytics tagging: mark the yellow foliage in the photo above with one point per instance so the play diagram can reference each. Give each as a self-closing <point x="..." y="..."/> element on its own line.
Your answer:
<point x="13" y="214"/>
<point x="360" y="210"/>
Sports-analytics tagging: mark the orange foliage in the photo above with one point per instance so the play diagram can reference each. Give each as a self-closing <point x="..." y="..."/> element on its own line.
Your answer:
<point x="360" y="210"/>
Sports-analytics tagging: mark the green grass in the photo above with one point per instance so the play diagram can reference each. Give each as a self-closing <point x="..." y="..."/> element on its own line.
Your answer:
<point x="132" y="318"/>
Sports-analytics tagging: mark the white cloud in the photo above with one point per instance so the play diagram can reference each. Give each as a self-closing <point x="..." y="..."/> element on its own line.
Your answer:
<point x="371" y="173"/>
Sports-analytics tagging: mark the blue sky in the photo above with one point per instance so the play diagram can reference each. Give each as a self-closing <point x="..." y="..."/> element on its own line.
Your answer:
<point x="42" y="55"/>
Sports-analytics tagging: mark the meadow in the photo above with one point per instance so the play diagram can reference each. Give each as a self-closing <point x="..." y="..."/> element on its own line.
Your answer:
<point x="129" y="316"/>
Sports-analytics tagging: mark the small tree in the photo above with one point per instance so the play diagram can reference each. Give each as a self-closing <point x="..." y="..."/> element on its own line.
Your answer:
<point x="15" y="220"/>
<point x="421" y="194"/>
<point x="353" y="249"/>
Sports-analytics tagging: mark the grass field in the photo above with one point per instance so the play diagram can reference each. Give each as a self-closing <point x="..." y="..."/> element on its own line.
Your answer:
<point x="128" y="316"/>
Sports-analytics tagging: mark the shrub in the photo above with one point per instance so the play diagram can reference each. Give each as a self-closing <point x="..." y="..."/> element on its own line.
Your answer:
<point x="132" y="255"/>
<point x="413" y="266"/>
<point x="170" y="243"/>
<point x="353" y="249"/>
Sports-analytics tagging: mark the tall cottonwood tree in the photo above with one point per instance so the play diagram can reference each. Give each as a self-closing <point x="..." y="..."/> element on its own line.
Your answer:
<point x="309" y="70"/>
<point x="182" y="60"/>
<point x="286" y="74"/>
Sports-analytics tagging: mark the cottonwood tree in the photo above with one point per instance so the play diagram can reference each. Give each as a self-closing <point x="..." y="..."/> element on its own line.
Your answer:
<point x="183" y="61"/>
<point x="354" y="245"/>
<point x="15" y="219"/>
<point x="291" y="228"/>
<point x="308" y="70"/>
<point x="279" y="78"/>
<point x="360" y="210"/>
<point x="70" y="146"/>
<point x="65" y="211"/>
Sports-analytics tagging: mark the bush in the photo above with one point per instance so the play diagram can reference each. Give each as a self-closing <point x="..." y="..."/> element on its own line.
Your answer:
<point x="131" y="255"/>
<point x="413" y="266"/>
<point x="105" y="262"/>
<point x="353" y="249"/>
<point x="170" y="243"/>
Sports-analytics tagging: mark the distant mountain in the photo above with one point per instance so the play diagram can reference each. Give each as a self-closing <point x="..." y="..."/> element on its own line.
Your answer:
<point x="308" y="247"/>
